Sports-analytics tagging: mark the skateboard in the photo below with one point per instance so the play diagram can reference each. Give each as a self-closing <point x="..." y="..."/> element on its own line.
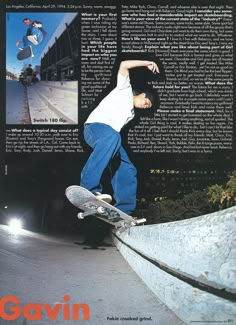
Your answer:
<point x="25" y="53"/>
<point x="91" y="205"/>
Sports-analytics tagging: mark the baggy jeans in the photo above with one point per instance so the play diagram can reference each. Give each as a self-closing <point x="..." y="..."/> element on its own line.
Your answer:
<point x="107" y="149"/>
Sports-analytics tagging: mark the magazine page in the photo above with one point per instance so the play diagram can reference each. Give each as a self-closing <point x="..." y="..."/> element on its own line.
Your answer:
<point x="117" y="162"/>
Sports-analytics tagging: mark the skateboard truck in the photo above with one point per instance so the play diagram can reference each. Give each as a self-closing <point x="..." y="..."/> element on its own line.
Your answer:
<point x="98" y="210"/>
<point x="126" y="225"/>
<point x="82" y="215"/>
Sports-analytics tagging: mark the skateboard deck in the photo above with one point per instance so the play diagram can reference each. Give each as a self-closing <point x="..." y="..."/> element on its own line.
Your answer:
<point x="25" y="53"/>
<point x="91" y="205"/>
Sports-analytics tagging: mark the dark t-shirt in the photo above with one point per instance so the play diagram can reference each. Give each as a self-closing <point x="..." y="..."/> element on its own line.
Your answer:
<point x="29" y="71"/>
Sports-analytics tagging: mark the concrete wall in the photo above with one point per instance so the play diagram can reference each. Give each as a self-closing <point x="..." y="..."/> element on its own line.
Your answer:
<point x="190" y="265"/>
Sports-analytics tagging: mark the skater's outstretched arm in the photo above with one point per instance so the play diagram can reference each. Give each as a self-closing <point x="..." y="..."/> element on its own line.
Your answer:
<point x="130" y="64"/>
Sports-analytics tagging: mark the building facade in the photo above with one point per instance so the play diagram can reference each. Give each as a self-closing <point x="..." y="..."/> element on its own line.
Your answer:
<point x="59" y="60"/>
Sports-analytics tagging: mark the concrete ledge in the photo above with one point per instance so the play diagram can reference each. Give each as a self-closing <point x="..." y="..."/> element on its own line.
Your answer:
<point x="190" y="264"/>
<point x="53" y="102"/>
<point x="69" y="86"/>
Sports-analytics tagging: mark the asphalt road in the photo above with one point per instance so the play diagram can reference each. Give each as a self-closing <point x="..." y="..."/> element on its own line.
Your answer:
<point x="39" y="269"/>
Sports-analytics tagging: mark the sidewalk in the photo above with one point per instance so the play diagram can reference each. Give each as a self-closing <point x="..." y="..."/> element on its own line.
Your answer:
<point x="53" y="102"/>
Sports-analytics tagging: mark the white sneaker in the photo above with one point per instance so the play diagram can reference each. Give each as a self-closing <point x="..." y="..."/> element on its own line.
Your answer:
<point x="104" y="197"/>
<point x="33" y="39"/>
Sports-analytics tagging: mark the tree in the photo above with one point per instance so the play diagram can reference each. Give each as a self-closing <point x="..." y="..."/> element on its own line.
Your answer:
<point x="224" y="196"/>
<point x="191" y="205"/>
<point x="216" y="197"/>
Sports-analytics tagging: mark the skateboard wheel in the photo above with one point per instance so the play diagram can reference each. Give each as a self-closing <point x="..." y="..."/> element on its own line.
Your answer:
<point x="80" y="215"/>
<point x="133" y="223"/>
<point x="100" y="210"/>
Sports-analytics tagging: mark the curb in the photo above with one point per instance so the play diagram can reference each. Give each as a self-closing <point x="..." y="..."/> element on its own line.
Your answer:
<point x="189" y="265"/>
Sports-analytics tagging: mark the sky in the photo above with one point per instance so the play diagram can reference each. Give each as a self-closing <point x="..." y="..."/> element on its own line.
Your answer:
<point x="15" y="30"/>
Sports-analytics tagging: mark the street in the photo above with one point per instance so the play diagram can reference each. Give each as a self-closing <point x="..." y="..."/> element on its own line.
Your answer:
<point x="54" y="272"/>
<point x="16" y="103"/>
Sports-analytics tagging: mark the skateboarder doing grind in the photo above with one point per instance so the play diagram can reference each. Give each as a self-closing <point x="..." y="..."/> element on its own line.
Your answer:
<point x="102" y="134"/>
<point x="33" y="35"/>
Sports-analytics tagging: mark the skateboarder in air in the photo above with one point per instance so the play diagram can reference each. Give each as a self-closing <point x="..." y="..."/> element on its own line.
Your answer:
<point x="102" y="134"/>
<point x="34" y="34"/>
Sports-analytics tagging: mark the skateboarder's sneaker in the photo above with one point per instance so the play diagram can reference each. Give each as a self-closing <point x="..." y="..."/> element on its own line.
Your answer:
<point x="104" y="197"/>
<point x="33" y="39"/>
